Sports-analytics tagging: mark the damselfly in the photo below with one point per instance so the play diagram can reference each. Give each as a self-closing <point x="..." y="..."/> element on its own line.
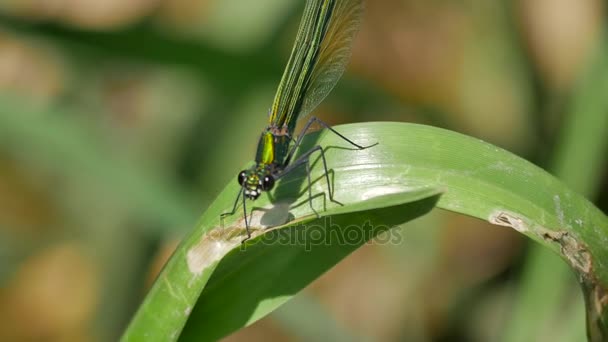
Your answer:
<point x="318" y="59"/>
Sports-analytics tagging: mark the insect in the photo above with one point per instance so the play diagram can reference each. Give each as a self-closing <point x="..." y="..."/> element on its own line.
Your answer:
<point x="318" y="59"/>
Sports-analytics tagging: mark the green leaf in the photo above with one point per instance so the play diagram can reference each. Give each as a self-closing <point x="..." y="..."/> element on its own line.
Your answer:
<point x="379" y="187"/>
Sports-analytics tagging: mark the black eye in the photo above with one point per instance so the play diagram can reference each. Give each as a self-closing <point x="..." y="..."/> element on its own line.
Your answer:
<point x="242" y="177"/>
<point x="267" y="183"/>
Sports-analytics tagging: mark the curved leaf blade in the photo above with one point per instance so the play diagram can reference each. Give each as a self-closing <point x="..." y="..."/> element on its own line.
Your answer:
<point x="476" y="179"/>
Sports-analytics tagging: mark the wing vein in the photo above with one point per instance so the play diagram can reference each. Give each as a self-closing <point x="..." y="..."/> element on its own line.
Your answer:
<point x="318" y="58"/>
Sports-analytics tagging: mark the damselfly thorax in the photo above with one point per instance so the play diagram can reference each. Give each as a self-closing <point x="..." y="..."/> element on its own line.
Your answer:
<point x="271" y="158"/>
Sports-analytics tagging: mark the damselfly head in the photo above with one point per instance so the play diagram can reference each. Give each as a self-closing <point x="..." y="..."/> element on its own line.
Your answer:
<point x="254" y="181"/>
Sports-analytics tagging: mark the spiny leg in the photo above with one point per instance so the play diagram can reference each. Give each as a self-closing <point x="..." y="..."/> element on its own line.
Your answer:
<point x="307" y="163"/>
<point x="246" y="220"/>
<point x="305" y="158"/>
<point x="234" y="206"/>
<point x="307" y="127"/>
<point x="290" y="154"/>
<point x="314" y="118"/>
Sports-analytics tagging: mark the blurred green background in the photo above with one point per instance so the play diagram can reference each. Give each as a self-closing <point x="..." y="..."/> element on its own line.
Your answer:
<point x="121" y="120"/>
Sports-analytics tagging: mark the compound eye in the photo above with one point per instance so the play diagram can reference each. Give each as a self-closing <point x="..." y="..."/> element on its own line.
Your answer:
<point x="267" y="183"/>
<point x="242" y="177"/>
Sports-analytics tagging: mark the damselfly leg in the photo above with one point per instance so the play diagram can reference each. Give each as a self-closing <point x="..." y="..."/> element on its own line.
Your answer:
<point x="305" y="158"/>
<point x="288" y="166"/>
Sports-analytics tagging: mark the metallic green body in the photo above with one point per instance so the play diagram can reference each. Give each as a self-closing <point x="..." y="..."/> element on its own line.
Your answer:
<point x="317" y="60"/>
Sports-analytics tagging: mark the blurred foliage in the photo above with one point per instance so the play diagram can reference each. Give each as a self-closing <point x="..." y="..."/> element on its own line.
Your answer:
<point x="121" y="120"/>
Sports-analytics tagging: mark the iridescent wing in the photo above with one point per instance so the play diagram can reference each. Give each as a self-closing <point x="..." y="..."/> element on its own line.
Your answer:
<point x="318" y="59"/>
<point x="335" y="53"/>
